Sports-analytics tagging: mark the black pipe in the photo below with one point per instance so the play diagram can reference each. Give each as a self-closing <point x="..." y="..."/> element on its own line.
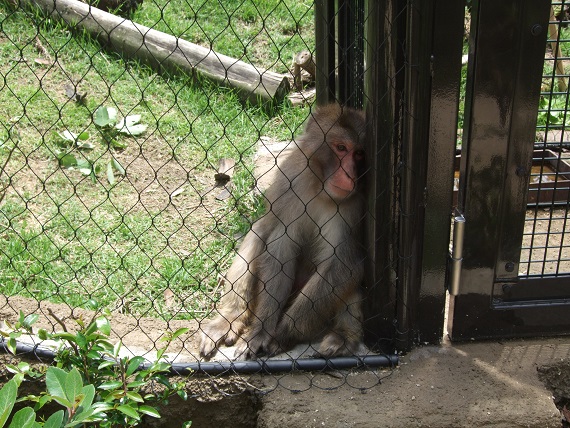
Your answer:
<point x="253" y="366"/>
<point x="275" y="366"/>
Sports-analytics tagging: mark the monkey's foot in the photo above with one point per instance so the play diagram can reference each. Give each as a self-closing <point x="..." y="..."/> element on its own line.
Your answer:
<point x="334" y="345"/>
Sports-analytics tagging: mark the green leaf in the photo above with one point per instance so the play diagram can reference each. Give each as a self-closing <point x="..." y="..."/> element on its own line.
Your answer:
<point x="83" y="136"/>
<point x="103" y="325"/>
<point x="105" y="364"/>
<point x="44" y="399"/>
<point x="176" y="334"/>
<point x="7" y="400"/>
<point x="85" y="145"/>
<point x="30" y="320"/>
<point x="55" y="384"/>
<point x="110" y="174"/>
<point x="160" y="366"/>
<point x="68" y="136"/>
<point x="88" y="392"/>
<point x="134" y="364"/>
<point x="55" y="420"/>
<point x="24" y="418"/>
<point x="12" y="345"/>
<point x="136" y="384"/>
<point x="65" y="336"/>
<point x="151" y="411"/>
<point x="110" y="385"/>
<point x="22" y="367"/>
<point x="134" y="130"/>
<point x="73" y="385"/>
<point x="118" y="166"/>
<point x="135" y="397"/>
<point x="92" y="304"/>
<point x="84" y="166"/>
<point x="118" y="144"/>
<point x="105" y="116"/>
<point x="67" y="160"/>
<point x="116" y="349"/>
<point x="129" y="411"/>
<point x="100" y="407"/>
<point x="130" y="125"/>
<point x="81" y="417"/>
<point x="81" y="340"/>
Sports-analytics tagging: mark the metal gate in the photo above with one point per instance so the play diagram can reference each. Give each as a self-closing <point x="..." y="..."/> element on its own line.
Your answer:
<point x="513" y="194"/>
<point x="514" y="278"/>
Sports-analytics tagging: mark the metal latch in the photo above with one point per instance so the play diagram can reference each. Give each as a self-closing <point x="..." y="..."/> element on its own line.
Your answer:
<point x="456" y="254"/>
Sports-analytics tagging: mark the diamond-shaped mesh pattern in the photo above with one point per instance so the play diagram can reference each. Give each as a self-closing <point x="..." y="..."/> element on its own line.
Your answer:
<point x="109" y="198"/>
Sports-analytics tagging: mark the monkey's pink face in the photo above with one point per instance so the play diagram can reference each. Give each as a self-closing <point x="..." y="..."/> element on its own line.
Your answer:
<point x="348" y="158"/>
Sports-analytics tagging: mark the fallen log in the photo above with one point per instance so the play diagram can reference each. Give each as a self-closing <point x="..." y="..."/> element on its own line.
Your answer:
<point x="161" y="50"/>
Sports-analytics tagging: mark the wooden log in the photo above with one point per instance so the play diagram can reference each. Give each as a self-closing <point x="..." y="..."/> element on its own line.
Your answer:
<point x="161" y="50"/>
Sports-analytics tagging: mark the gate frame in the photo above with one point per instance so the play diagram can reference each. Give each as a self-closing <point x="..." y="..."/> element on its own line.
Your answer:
<point x="503" y="91"/>
<point x="406" y="291"/>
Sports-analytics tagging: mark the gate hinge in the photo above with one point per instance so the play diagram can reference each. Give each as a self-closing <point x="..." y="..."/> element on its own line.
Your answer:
<point x="456" y="254"/>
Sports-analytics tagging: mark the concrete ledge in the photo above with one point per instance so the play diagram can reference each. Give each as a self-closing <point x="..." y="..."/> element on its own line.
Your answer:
<point x="452" y="385"/>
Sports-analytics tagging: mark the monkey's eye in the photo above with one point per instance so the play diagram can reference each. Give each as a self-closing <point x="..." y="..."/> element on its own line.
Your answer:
<point x="341" y="148"/>
<point x="359" y="154"/>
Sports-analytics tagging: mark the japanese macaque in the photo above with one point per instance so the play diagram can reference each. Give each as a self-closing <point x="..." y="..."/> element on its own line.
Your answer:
<point x="298" y="271"/>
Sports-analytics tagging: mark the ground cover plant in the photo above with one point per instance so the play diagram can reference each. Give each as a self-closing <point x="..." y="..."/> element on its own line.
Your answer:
<point x="89" y="384"/>
<point x="106" y="166"/>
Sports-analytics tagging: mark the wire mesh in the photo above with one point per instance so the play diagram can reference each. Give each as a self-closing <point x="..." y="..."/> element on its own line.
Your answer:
<point x="545" y="250"/>
<point x="127" y="186"/>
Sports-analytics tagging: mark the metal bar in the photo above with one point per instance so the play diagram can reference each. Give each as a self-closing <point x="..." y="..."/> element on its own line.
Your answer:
<point x="325" y="51"/>
<point x="447" y="45"/>
<point x="382" y="104"/>
<point x="456" y="254"/>
<point x="412" y="148"/>
<point x="350" y="20"/>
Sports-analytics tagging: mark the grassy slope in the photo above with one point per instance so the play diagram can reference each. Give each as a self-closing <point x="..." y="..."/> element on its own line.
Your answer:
<point x="67" y="237"/>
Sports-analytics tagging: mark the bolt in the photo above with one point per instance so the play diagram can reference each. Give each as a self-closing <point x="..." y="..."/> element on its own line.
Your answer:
<point x="509" y="266"/>
<point x="536" y="30"/>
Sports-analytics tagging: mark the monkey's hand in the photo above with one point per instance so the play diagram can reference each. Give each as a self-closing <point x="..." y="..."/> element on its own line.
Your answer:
<point x="213" y="334"/>
<point x="253" y="345"/>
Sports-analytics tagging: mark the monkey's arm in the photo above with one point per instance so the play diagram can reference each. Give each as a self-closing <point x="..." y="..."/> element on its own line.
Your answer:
<point x="329" y="293"/>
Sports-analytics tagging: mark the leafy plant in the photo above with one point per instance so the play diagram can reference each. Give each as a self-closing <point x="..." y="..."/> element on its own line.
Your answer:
<point x="90" y="380"/>
<point x="552" y="111"/>
<point x="105" y="118"/>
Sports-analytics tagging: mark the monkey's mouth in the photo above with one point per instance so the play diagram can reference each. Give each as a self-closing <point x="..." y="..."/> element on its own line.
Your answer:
<point x="340" y="192"/>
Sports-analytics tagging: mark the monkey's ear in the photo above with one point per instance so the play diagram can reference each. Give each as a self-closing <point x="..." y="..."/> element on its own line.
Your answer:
<point x="324" y="117"/>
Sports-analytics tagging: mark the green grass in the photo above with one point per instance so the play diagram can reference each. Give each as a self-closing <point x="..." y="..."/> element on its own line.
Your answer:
<point x="266" y="33"/>
<point x="159" y="230"/>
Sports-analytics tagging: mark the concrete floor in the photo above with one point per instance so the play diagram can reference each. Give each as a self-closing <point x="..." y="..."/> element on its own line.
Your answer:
<point x="484" y="384"/>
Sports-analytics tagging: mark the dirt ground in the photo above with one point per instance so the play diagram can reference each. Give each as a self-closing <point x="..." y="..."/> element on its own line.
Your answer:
<point x="452" y="385"/>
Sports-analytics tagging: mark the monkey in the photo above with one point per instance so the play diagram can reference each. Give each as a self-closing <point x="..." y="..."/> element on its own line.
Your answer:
<point x="298" y="271"/>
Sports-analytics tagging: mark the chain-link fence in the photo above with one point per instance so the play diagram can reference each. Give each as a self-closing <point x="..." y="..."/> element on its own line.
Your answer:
<point x="134" y="158"/>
